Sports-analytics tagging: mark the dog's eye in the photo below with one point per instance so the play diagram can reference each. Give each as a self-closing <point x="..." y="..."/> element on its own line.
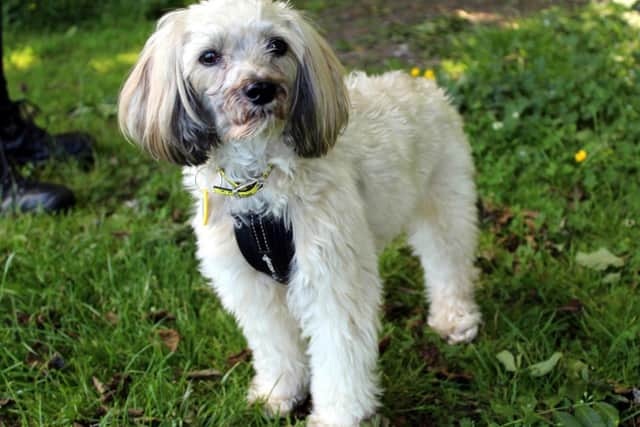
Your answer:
<point x="209" y="58"/>
<point x="277" y="46"/>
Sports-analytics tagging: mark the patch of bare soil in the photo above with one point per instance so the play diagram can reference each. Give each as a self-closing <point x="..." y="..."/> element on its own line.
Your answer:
<point x="360" y="29"/>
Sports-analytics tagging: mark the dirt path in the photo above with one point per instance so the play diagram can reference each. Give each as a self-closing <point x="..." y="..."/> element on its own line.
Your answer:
<point x="365" y="31"/>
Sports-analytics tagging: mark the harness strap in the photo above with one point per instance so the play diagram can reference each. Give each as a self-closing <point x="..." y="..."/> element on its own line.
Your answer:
<point x="266" y="243"/>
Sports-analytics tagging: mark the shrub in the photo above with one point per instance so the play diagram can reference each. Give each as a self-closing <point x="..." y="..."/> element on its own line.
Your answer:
<point x="62" y="13"/>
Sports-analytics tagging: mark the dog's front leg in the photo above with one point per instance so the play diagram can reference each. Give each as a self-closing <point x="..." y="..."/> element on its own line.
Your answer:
<point x="335" y="293"/>
<point x="259" y="305"/>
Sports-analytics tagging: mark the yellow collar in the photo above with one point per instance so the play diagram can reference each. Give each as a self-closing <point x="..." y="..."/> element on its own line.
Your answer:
<point x="246" y="189"/>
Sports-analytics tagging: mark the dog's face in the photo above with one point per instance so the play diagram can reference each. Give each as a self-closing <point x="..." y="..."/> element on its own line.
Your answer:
<point x="223" y="71"/>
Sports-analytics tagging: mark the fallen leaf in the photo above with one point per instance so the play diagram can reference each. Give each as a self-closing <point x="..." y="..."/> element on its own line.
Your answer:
<point x="572" y="306"/>
<point x="99" y="386"/>
<point x="159" y="315"/>
<point x="204" y="374"/>
<point x="111" y="317"/>
<point x="242" y="356"/>
<point x="599" y="260"/>
<point x="622" y="389"/>
<point x="543" y="368"/>
<point x="35" y="356"/>
<point x="117" y="386"/>
<point x="121" y="234"/>
<point x="508" y="361"/>
<point x="505" y="217"/>
<point x="135" y="412"/>
<point x="170" y="338"/>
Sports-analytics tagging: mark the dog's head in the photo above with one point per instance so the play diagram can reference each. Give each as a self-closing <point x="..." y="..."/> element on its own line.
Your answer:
<point x="222" y="71"/>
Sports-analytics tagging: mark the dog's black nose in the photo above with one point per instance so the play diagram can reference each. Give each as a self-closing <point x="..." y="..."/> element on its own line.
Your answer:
<point x="260" y="93"/>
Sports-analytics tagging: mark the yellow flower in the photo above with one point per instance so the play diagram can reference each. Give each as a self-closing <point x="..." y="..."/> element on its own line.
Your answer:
<point x="429" y="74"/>
<point x="581" y="156"/>
<point x="415" y="72"/>
<point x="22" y="59"/>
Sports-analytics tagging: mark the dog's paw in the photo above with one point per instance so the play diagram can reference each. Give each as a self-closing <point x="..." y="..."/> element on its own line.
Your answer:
<point x="457" y="322"/>
<point x="276" y="402"/>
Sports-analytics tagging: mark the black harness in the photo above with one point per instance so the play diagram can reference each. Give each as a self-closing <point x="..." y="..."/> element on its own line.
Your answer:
<point x="266" y="243"/>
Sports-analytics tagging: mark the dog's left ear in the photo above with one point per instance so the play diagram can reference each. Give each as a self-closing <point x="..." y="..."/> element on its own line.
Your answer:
<point x="158" y="109"/>
<point x="320" y="109"/>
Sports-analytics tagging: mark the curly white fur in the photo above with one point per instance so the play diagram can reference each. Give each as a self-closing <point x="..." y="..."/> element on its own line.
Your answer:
<point x="402" y="164"/>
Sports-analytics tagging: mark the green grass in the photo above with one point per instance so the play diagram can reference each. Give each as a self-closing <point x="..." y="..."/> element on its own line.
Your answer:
<point x="532" y="96"/>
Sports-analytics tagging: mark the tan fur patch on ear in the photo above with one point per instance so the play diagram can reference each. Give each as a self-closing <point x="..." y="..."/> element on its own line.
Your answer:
<point x="156" y="109"/>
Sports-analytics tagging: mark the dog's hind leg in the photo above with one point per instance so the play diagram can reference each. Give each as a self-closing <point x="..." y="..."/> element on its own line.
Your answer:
<point x="444" y="234"/>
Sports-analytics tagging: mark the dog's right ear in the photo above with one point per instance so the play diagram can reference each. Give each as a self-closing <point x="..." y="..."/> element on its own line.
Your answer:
<point x="157" y="108"/>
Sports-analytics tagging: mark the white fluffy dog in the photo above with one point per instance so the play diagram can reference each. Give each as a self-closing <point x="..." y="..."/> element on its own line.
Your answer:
<point x="253" y="102"/>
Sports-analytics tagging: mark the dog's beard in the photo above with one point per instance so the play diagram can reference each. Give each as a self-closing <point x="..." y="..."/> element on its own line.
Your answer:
<point x="247" y="120"/>
<point x="250" y="124"/>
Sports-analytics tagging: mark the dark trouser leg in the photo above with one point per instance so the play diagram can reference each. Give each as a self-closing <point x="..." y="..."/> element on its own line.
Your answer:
<point x="11" y="123"/>
<point x="24" y="142"/>
<point x="4" y="102"/>
<point x="4" y="94"/>
<point x="6" y="107"/>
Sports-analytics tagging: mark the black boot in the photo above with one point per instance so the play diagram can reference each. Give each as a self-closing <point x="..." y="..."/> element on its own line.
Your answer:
<point x="20" y="195"/>
<point x="25" y="142"/>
